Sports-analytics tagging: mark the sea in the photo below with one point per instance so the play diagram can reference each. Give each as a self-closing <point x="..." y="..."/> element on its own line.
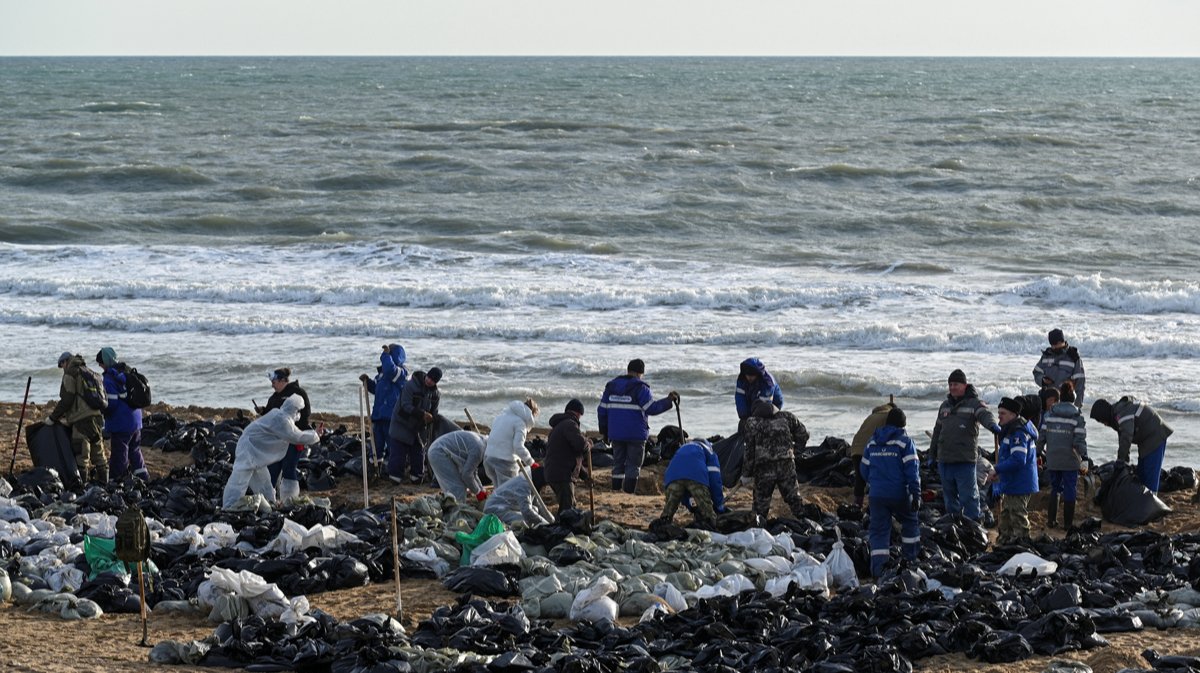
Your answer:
<point x="529" y="225"/>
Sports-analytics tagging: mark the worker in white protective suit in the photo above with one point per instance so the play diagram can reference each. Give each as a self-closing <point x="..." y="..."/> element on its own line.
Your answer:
<point x="455" y="458"/>
<point x="514" y="502"/>
<point x="263" y="443"/>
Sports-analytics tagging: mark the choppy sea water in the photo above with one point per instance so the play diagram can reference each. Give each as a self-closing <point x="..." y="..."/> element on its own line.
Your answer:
<point x="862" y="225"/>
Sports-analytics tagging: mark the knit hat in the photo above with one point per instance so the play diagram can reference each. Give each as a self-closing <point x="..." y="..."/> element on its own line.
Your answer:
<point x="434" y="373"/>
<point x="107" y="357"/>
<point x="636" y="366"/>
<point x="281" y="374"/>
<point x="1102" y="411"/>
<point x="957" y="376"/>
<point x="763" y="409"/>
<point x="1056" y="336"/>
<point x="896" y="418"/>
<point x="1011" y="405"/>
<point x="62" y="359"/>
<point x="575" y="406"/>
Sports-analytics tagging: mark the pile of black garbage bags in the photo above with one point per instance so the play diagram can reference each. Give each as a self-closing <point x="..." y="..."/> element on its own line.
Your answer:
<point x="952" y="601"/>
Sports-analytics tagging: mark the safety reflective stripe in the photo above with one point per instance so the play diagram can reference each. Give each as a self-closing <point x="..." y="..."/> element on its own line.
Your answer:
<point x="623" y="405"/>
<point x="910" y="457"/>
<point x="880" y="552"/>
<point x="910" y="540"/>
<point x="646" y="406"/>
<point x="1019" y="449"/>
<point x="713" y="468"/>
<point x="618" y="476"/>
<point x="396" y="377"/>
<point x="1077" y="376"/>
<point x="897" y="442"/>
<point x="866" y="461"/>
<point x="739" y="390"/>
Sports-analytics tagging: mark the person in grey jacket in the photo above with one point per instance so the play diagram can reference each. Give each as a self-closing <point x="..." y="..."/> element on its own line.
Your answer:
<point x="455" y="458"/>
<point x="1060" y="363"/>
<point x="1063" y="438"/>
<point x="1136" y="423"/>
<point x="412" y="420"/>
<point x="954" y="445"/>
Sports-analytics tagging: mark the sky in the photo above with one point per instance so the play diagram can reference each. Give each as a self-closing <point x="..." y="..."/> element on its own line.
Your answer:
<point x="1141" y="28"/>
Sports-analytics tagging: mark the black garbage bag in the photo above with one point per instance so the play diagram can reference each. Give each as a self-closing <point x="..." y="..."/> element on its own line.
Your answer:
<point x="1123" y="499"/>
<point x="50" y="447"/>
<point x="996" y="647"/>
<point x="730" y="453"/>
<point x="481" y="581"/>
<point x="670" y="438"/>
<point x="1178" y="478"/>
<point x="1113" y="620"/>
<point x="567" y="554"/>
<point x="1062" y="631"/>
<point x="1061" y="597"/>
<point x="40" y="481"/>
<point x="1171" y="662"/>
<point x="661" y="530"/>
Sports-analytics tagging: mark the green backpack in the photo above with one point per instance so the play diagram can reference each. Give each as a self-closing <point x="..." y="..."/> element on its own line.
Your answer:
<point x="133" y="536"/>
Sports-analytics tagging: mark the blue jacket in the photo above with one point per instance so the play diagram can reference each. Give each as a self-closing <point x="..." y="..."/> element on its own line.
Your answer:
<point x="1016" y="459"/>
<point x="387" y="384"/>
<point x="118" y="417"/>
<point x="624" y="407"/>
<point x="745" y="394"/>
<point x="890" y="464"/>
<point x="696" y="461"/>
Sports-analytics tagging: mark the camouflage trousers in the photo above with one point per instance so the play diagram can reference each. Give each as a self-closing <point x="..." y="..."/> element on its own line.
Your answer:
<point x="680" y="490"/>
<point x="1014" y="519"/>
<point x="777" y="474"/>
<point x="87" y="444"/>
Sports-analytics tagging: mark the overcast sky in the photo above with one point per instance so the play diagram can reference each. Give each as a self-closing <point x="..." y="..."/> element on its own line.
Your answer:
<point x="602" y="27"/>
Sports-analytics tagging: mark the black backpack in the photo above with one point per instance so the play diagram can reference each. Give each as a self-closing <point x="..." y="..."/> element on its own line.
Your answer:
<point x="137" y="389"/>
<point x="133" y="536"/>
<point x="92" y="390"/>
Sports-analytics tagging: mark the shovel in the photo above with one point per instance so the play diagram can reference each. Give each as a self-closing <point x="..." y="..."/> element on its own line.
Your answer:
<point x="17" y="442"/>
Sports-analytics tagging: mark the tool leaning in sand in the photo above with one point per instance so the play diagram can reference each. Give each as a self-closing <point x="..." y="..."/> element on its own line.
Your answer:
<point x="471" y="419"/>
<point x="537" y="497"/>
<point x="396" y="559"/>
<point x="362" y="439"/>
<point x="17" y="442"/>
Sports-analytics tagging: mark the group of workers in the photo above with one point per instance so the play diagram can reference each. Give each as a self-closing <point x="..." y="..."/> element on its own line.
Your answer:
<point x="1048" y="424"/>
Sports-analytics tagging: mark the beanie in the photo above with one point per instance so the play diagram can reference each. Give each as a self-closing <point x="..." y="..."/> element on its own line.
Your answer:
<point x="896" y="418"/>
<point x="1056" y="336"/>
<point x="434" y="373"/>
<point x="575" y="406"/>
<point x="1011" y="405"/>
<point x="636" y="366"/>
<point x="62" y="359"/>
<point x="1102" y="411"/>
<point x="957" y="376"/>
<point x="107" y="357"/>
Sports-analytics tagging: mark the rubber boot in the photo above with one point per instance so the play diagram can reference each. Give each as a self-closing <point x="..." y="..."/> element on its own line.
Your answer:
<point x="1052" y="511"/>
<point x="1069" y="516"/>
<point x="289" y="490"/>
<point x="630" y="484"/>
<point x="100" y="474"/>
<point x="616" y="484"/>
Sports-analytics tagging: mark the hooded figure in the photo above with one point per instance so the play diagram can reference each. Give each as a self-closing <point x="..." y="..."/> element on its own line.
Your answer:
<point x="754" y="384"/>
<point x="390" y="377"/>
<point x="1137" y="423"/>
<point x="693" y="478"/>
<point x="455" y="458"/>
<point x="772" y="438"/>
<point x="122" y="423"/>
<point x="891" y="466"/>
<point x="506" y="452"/>
<point x="265" y="441"/>
<point x="565" y="449"/>
<point x="513" y="503"/>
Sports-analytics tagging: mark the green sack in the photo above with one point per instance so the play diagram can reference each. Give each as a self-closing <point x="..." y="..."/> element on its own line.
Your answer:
<point x="101" y="556"/>
<point x="488" y="526"/>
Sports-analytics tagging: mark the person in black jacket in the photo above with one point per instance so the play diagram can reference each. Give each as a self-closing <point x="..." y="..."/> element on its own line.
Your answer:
<point x="284" y="472"/>
<point x="565" y="449"/>
<point x="412" y="421"/>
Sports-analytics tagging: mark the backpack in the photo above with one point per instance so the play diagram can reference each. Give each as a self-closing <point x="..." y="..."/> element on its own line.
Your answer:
<point x="137" y="389"/>
<point x="133" y="536"/>
<point x="92" y="390"/>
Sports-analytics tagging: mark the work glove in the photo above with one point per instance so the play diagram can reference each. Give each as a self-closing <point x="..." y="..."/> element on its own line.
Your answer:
<point x="49" y="421"/>
<point x="746" y="481"/>
<point x="996" y="428"/>
<point x="914" y="502"/>
<point x="364" y="378"/>
<point x="428" y="417"/>
<point x="673" y="396"/>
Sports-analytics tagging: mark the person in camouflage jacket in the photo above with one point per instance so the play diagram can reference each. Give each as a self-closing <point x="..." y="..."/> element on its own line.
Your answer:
<point x="772" y="437"/>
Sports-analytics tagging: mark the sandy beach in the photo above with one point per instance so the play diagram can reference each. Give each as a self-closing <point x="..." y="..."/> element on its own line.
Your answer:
<point x="39" y="643"/>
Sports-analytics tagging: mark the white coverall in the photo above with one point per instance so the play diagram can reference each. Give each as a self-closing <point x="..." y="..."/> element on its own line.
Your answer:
<point x="455" y="459"/>
<point x="264" y="442"/>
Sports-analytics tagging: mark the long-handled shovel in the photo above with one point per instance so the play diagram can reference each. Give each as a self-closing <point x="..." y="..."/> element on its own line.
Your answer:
<point x="396" y="560"/>
<point x="142" y="593"/>
<point x="537" y="497"/>
<point x="17" y="442"/>
<point x="474" y="425"/>
<point x="362" y="438"/>
<point x="591" y="480"/>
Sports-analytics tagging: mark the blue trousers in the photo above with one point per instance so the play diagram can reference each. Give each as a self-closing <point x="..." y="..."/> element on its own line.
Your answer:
<point x="287" y="466"/>
<point x="880" y="533"/>
<point x="401" y="454"/>
<point x="1149" y="467"/>
<point x="627" y="464"/>
<point x="960" y="491"/>
<point x="382" y="440"/>
<point x="1065" y="483"/>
